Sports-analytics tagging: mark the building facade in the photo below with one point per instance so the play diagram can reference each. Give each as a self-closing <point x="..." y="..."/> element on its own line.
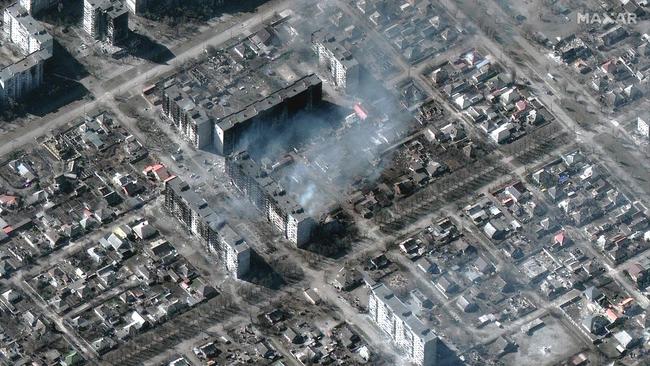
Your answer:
<point x="419" y="343"/>
<point x="283" y="212"/>
<point x="137" y="6"/>
<point x="194" y="116"/>
<point x="106" y="20"/>
<point x="338" y="61"/>
<point x="204" y="223"/>
<point x="21" y="78"/>
<point x="26" y="74"/>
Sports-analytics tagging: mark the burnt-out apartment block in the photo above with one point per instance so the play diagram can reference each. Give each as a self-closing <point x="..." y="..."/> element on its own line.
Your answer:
<point x="268" y="114"/>
<point x="203" y="222"/>
<point x="282" y="211"/>
<point x="191" y="112"/>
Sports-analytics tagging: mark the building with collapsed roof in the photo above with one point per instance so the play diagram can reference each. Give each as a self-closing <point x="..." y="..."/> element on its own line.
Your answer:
<point x="282" y="211"/>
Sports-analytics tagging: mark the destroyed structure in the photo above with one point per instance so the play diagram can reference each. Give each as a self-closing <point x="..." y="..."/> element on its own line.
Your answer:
<point x="333" y="57"/>
<point x="203" y="222"/>
<point x="282" y="211"/>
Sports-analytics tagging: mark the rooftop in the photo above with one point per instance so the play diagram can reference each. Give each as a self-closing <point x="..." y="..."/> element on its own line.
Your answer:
<point x="25" y="63"/>
<point x="341" y="53"/>
<point x="113" y="8"/>
<point x="227" y="87"/>
<point x="196" y="203"/>
<point x="9" y="54"/>
<point x="272" y="188"/>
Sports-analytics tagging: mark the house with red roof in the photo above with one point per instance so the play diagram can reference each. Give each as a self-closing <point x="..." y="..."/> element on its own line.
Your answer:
<point x="8" y="201"/>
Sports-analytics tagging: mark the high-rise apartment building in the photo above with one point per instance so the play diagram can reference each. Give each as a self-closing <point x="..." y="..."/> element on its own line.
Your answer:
<point x="36" y="6"/>
<point x="106" y="20"/>
<point x="282" y="211"/>
<point x="33" y="45"/>
<point x="236" y="253"/>
<point x="337" y="60"/>
<point x="418" y="342"/>
<point x="267" y="114"/>
<point x="204" y="223"/>
<point x="188" y="118"/>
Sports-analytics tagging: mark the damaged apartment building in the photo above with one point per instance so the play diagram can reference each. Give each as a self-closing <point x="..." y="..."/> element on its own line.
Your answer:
<point x="106" y="20"/>
<point x="282" y="211"/>
<point x="420" y="344"/>
<point x="333" y="57"/>
<point x="193" y="114"/>
<point x="203" y="222"/>
<point x="29" y="47"/>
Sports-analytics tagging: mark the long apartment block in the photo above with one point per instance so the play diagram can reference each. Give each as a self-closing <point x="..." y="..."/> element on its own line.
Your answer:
<point x="30" y="46"/>
<point x="203" y="222"/>
<point x="190" y="113"/>
<point x="282" y="211"/>
<point x="418" y="342"/>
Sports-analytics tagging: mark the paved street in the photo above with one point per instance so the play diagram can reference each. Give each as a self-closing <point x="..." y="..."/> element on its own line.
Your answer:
<point x="132" y="79"/>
